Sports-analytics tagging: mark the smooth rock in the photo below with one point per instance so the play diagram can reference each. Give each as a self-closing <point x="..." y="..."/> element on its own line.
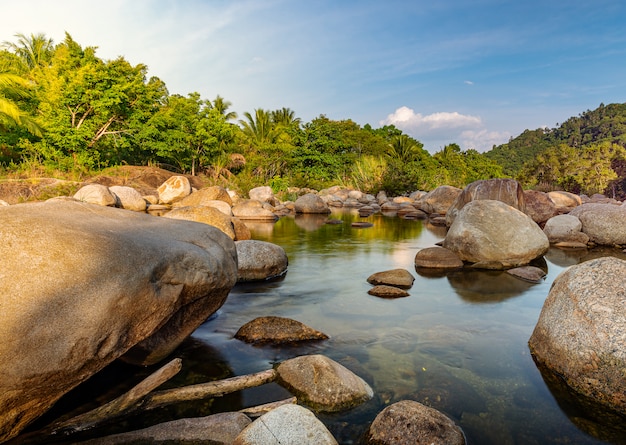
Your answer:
<point x="528" y="273"/>
<point x="205" y="197"/>
<point x="410" y="422"/>
<point x="322" y="383"/>
<point x="383" y="291"/>
<point x="216" y="429"/>
<point x="206" y="215"/>
<point x="260" y="260"/>
<point x="437" y="257"/>
<point x="508" y="191"/>
<point x="605" y="224"/>
<point x="565" y="200"/>
<point x="174" y="189"/>
<point x="438" y="200"/>
<point x="565" y="228"/>
<point x="401" y="278"/>
<point x="286" y="425"/>
<point x="262" y="194"/>
<point x="311" y="203"/>
<point x="539" y="206"/>
<point x="129" y="198"/>
<point x="249" y="209"/>
<point x="96" y="194"/>
<point x="491" y="232"/>
<point x="82" y="285"/>
<point x="277" y="330"/>
<point x="581" y="331"/>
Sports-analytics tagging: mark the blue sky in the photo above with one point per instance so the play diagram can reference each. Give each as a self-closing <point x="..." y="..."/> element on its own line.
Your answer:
<point x="472" y="72"/>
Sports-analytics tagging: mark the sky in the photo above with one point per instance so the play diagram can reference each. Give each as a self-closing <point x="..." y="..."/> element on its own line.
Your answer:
<point x="475" y="73"/>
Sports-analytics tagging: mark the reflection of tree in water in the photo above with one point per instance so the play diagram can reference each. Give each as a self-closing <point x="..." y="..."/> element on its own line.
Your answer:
<point x="588" y="416"/>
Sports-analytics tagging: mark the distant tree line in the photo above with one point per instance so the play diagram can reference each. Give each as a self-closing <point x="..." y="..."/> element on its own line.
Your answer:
<point x="63" y="110"/>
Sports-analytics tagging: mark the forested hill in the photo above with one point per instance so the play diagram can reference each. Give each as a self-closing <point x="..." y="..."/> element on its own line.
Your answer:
<point x="607" y="123"/>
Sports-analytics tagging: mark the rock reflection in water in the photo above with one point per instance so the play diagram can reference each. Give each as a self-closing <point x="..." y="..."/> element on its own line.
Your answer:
<point x="486" y="286"/>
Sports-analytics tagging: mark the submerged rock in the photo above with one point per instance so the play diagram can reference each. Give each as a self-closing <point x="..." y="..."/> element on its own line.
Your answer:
<point x="384" y="291"/>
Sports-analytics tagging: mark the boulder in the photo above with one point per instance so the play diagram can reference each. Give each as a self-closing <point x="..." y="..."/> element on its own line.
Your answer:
<point x="96" y="194"/>
<point x="286" y="425"/>
<point x="242" y="231"/>
<point x="401" y="278"/>
<point x="605" y="224"/>
<point x="205" y="196"/>
<point x="311" y="203"/>
<point x="581" y="331"/>
<point x="216" y="429"/>
<point x="408" y="421"/>
<point x="495" y="235"/>
<point x="174" y="189"/>
<point x="129" y="198"/>
<point x="205" y="215"/>
<point x="262" y="194"/>
<point x="565" y="228"/>
<point x="260" y="260"/>
<point x="437" y="258"/>
<point x="250" y="209"/>
<point x="565" y="201"/>
<point x="508" y="191"/>
<point x="539" y="206"/>
<point x="277" y="330"/>
<point x="438" y="200"/>
<point x="384" y="291"/>
<point x="322" y="383"/>
<point x="82" y="285"/>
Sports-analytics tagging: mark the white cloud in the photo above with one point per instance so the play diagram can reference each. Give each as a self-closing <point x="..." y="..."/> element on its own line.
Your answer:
<point x="438" y="129"/>
<point x="468" y="82"/>
<point x="407" y="119"/>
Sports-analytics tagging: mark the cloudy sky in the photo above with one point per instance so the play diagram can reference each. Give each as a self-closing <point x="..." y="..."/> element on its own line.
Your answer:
<point x="472" y="72"/>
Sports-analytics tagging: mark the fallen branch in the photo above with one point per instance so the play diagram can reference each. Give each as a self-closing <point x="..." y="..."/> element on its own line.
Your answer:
<point x="123" y="404"/>
<point x="207" y="390"/>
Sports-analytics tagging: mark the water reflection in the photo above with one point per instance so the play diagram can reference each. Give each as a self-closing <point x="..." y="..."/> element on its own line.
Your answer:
<point x="486" y="286"/>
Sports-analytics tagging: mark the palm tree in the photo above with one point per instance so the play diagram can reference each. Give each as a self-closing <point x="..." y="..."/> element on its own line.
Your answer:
<point x="222" y="106"/>
<point x="15" y="87"/>
<point x="260" y="128"/>
<point x="404" y="149"/>
<point x="34" y="50"/>
<point x="285" y="117"/>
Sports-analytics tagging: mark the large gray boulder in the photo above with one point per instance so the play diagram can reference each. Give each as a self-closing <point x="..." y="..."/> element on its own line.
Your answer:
<point x="508" y="191"/>
<point x="205" y="197"/>
<point x="495" y="235"/>
<point x="250" y="209"/>
<point x="286" y="425"/>
<point x="82" y="285"/>
<point x="605" y="224"/>
<point x="408" y="421"/>
<point x="129" y="198"/>
<point x="539" y="206"/>
<point x="581" y="332"/>
<point x="206" y="215"/>
<point x="96" y="194"/>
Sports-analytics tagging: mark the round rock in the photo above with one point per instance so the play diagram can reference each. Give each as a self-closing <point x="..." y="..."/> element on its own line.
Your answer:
<point x="437" y="258"/>
<point x="383" y="291"/>
<point x="401" y="278"/>
<point x="408" y="421"/>
<point x="260" y="260"/>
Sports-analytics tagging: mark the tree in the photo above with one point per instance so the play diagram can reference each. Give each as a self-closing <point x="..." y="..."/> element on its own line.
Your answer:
<point x="34" y="51"/>
<point x="221" y="106"/>
<point x="405" y="149"/>
<point x="12" y="89"/>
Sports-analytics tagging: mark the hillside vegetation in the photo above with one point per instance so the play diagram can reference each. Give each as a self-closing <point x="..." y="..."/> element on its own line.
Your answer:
<point x="67" y="114"/>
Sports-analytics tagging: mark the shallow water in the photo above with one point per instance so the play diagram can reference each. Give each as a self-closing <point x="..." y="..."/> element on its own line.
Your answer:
<point x="458" y="343"/>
